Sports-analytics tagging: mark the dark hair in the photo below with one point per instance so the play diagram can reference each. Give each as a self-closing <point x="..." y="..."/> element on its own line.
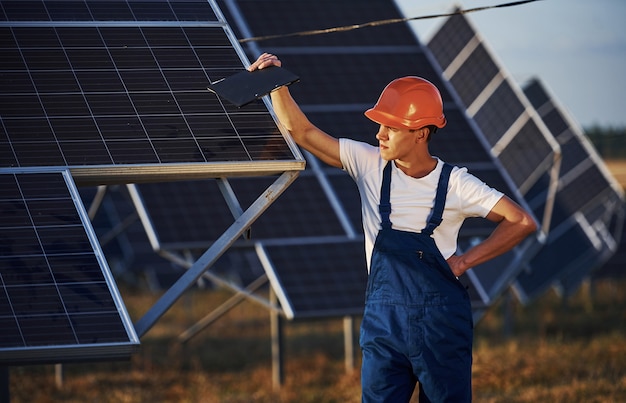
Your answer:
<point x="431" y="130"/>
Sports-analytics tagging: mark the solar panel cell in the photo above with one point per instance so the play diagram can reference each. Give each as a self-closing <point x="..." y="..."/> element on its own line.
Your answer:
<point x="338" y="78"/>
<point x="25" y="11"/>
<point x="68" y="10"/>
<point x="112" y="10"/>
<point x="152" y="11"/>
<point x="499" y="112"/>
<point x="193" y="11"/>
<point x="450" y="40"/>
<point x="527" y="151"/>
<point x="285" y="16"/>
<point x="475" y="74"/>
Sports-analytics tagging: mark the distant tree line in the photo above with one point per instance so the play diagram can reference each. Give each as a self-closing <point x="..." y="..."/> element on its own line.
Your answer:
<point x="609" y="141"/>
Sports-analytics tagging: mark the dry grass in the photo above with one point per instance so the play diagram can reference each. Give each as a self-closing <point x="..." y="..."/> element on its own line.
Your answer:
<point x="558" y="352"/>
<point x="618" y="170"/>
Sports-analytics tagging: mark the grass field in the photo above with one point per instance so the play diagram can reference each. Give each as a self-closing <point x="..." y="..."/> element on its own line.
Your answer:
<point x="557" y="351"/>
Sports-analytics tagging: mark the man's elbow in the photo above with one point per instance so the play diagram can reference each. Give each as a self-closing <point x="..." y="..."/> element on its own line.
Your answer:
<point x="527" y="225"/>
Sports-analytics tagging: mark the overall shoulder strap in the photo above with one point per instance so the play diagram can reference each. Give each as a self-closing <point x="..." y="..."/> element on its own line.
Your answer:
<point x="436" y="215"/>
<point x="384" y="206"/>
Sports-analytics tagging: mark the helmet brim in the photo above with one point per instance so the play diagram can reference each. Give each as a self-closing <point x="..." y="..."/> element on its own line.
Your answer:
<point x="387" y="119"/>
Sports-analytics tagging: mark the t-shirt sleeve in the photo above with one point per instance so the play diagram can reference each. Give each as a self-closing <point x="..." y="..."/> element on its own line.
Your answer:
<point x="357" y="157"/>
<point x="477" y="197"/>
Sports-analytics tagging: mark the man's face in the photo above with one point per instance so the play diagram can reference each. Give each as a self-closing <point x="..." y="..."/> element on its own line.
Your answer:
<point x="395" y="143"/>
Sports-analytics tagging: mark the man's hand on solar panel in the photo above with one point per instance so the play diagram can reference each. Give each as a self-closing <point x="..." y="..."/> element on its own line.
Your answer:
<point x="265" y="60"/>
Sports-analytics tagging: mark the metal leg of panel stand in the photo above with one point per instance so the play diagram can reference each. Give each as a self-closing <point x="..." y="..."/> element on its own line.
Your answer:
<point x="276" y="324"/>
<point x="348" y="343"/>
<point x="58" y="375"/>
<point x="5" y="395"/>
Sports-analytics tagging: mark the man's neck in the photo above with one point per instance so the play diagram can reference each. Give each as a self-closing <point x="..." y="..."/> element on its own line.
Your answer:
<point x="419" y="167"/>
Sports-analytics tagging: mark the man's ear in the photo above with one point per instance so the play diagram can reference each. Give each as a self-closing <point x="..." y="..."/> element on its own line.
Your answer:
<point x="421" y="134"/>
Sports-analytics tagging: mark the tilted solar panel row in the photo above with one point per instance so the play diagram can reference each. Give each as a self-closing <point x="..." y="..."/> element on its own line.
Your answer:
<point x="103" y="92"/>
<point x="120" y="98"/>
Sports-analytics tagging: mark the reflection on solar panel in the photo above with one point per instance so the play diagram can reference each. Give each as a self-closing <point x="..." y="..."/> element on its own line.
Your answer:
<point x="587" y="221"/>
<point x="116" y="91"/>
<point x="58" y="301"/>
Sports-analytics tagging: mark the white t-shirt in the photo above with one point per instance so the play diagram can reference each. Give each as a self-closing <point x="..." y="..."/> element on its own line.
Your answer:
<point x="412" y="199"/>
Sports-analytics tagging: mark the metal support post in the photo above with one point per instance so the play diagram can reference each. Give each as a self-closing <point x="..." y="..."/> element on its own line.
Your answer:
<point x="276" y="325"/>
<point x="348" y="343"/>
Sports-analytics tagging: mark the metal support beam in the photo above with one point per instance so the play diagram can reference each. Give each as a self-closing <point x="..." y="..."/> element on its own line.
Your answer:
<point x="97" y="201"/>
<point x="276" y="325"/>
<point x="231" y="200"/>
<point x="216" y="250"/>
<point x="176" y="259"/>
<point x="222" y="309"/>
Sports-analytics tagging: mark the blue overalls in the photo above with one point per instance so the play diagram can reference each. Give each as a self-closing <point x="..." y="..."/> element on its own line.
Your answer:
<point x="417" y="324"/>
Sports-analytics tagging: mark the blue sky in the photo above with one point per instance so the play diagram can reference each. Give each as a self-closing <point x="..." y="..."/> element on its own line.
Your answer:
<point x="576" y="47"/>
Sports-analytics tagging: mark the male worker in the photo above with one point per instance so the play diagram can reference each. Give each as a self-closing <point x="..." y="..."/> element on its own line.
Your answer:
<point x="417" y="324"/>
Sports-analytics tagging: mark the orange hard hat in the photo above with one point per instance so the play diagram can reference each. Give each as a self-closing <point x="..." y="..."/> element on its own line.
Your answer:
<point x="410" y="102"/>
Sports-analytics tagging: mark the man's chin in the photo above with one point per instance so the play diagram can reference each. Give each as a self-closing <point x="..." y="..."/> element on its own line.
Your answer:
<point x="385" y="156"/>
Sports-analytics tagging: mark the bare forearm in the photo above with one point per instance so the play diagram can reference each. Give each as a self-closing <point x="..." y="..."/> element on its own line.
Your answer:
<point x="289" y="114"/>
<point x="514" y="224"/>
<point x="504" y="238"/>
<point x="304" y="133"/>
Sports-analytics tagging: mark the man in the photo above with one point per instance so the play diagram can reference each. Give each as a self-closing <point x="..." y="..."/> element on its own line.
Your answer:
<point x="417" y="324"/>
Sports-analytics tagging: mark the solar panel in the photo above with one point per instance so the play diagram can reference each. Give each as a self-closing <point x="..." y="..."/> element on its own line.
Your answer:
<point x="500" y="110"/>
<point x="106" y="92"/>
<point x="58" y="301"/>
<point x="513" y="134"/>
<point x="116" y="91"/>
<point x="589" y="206"/>
<point x="313" y="280"/>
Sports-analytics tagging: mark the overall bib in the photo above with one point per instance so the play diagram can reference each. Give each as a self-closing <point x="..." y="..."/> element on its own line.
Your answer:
<point x="417" y="324"/>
